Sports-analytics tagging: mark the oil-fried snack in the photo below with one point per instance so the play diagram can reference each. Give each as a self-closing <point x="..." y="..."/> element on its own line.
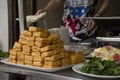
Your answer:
<point x="43" y="40"/>
<point x="53" y="58"/>
<point x="13" y="52"/>
<point x="28" y="58"/>
<point x="37" y="64"/>
<point x="81" y="55"/>
<point x="64" y="54"/>
<point x="26" y="49"/>
<point x="57" y="41"/>
<point x="47" y="48"/>
<point x="59" y="50"/>
<point x="41" y="34"/>
<point x="77" y="58"/>
<point x="70" y="52"/>
<point x="19" y="53"/>
<point x="20" y="62"/>
<point x="30" y="43"/>
<point x="17" y="45"/>
<point x="36" y="34"/>
<point x="22" y="36"/>
<point x="12" y="57"/>
<point x="35" y="49"/>
<point x="20" y="56"/>
<point x="30" y="38"/>
<point x="63" y="50"/>
<point x="28" y="62"/>
<point x="74" y="59"/>
<point x="78" y="52"/>
<point x="26" y="53"/>
<point x="12" y="61"/>
<point x="39" y="44"/>
<point x="27" y="33"/>
<point x="38" y="59"/>
<point x="18" y="49"/>
<point x="44" y="34"/>
<point x="33" y="28"/>
<point x="22" y="41"/>
<point x="49" y="53"/>
<point x="53" y="63"/>
<point x="54" y="37"/>
<point x="66" y="61"/>
<point x="59" y="45"/>
<point x="35" y="53"/>
<point x="48" y="66"/>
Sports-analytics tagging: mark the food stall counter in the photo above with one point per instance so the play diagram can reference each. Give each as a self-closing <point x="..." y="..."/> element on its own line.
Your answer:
<point x="67" y="74"/>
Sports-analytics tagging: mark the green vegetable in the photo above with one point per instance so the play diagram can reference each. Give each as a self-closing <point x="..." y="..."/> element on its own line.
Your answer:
<point x="100" y="67"/>
<point x="4" y="54"/>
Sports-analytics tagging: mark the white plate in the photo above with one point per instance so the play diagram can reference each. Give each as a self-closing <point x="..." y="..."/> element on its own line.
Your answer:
<point x="89" y="55"/>
<point x="5" y="61"/>
<point x="77" y="67"/>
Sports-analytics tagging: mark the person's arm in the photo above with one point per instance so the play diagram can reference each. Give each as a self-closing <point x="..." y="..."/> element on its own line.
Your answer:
<point x="103" y="7"/>
<point x="53" y="4"/>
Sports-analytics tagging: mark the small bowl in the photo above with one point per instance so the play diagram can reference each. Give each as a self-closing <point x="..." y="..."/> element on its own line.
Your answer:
<point x="87" y="51"/>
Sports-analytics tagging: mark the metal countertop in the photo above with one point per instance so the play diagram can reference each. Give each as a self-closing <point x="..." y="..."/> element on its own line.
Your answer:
<point x="67" y="74"/>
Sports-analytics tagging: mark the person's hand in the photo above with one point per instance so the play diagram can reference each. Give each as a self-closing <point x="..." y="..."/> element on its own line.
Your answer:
<point x="97" y="15"/>
<point x="91" y="25"/>
<point x="39" y="11"/>
<point x="40" y="14"/>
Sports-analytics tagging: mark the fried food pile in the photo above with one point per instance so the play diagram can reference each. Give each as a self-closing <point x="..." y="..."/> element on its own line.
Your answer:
<point x="38" y="47"/>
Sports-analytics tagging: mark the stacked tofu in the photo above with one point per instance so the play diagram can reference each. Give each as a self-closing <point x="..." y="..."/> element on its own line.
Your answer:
<point x="38" y="47"/>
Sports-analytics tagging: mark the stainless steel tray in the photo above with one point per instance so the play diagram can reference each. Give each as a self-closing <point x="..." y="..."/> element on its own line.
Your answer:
<point x="115" y="39"/>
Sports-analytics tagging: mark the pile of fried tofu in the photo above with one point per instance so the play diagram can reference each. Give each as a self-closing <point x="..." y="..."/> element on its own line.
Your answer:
<point x="38" y="47"/>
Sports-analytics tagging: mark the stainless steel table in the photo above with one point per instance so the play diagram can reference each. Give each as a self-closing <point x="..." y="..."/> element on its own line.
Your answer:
<point x="22" y="73"/>
<point x="60" y="75"/>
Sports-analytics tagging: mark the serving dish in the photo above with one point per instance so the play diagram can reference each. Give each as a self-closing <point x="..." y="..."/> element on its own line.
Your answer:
<point x="5" y="61"/>
<point x="77" y="68"/>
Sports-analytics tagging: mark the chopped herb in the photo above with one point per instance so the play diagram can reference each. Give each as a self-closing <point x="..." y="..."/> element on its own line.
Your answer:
<point x="4" y="54"/>
<point x="101" y="67"/>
